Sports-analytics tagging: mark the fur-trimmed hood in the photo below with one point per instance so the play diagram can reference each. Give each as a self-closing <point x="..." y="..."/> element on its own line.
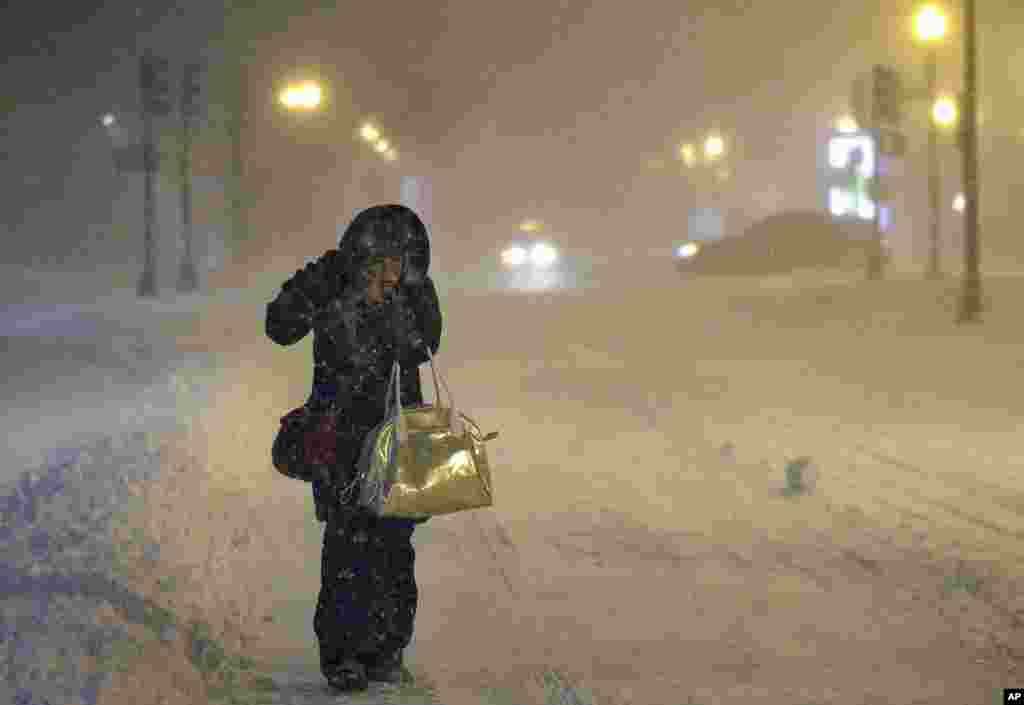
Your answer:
<point x="386" y="230"/>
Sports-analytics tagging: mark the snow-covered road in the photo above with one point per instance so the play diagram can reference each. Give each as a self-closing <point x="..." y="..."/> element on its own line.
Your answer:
<point x="630" y="535"/>
<point x="87" y="364"/>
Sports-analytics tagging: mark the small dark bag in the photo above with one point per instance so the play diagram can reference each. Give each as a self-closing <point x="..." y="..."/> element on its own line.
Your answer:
<point x="306" y="444"/>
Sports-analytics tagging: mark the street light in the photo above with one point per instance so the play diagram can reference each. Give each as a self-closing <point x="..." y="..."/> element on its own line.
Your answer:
<point x="373" y="136"/>
<point x="302" y="96"/>
<point x="930" y="27"/>
<point x="930" y="24"/>
<point x="945" y="112"/>
<point x="369" y="133"/>
<point x="688" y="154"/>
<point x="714" y="147"/>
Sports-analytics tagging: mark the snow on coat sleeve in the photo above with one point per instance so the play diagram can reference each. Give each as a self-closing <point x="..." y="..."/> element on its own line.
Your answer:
<point x="290" y="314"/>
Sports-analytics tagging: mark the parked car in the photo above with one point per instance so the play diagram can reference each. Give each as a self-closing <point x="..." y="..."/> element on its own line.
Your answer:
<point x="780" y="244"/>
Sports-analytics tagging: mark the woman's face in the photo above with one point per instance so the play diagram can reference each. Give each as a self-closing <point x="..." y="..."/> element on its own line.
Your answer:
<point x="383" y="276"/>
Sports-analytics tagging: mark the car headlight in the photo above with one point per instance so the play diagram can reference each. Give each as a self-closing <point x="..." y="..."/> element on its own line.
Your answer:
<point x="513" y="256"/>
<point x="543" y="255"/>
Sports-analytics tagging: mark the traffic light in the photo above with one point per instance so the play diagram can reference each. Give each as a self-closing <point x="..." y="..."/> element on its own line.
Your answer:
<point x="191" y="89"/>
<point x="156" y="99"/>
<point x="889" y="96"/>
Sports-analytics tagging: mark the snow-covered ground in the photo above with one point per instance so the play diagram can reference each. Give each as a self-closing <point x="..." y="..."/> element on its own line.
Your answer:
<point x="87" y="359"/>
<point x="640" y="540"/>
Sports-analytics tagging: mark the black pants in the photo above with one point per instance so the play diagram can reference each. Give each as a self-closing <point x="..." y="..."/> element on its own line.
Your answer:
<point x="368" y="594"/>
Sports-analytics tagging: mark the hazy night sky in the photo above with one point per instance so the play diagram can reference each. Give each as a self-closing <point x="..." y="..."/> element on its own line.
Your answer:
<point x="528" y="106"/>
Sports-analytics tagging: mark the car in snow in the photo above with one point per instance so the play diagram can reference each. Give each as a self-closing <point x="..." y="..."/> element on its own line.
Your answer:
<point x="781" y="244"/>
<point x="535" y="264"/>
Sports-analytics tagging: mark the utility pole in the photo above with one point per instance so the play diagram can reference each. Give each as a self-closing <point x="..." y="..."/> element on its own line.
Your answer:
<point x="187" y="278"/>
<point x="934" y="268"/>
<point x="930" y="28"/>
<point x="155" y="103"/>
<point x="971" y="301"/>
<point x="875" y="266"/>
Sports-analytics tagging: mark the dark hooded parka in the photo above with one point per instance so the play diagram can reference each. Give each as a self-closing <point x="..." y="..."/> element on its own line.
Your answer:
<point x="368" y="594"/>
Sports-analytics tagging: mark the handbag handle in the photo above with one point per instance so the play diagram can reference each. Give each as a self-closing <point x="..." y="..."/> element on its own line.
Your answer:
<point x="401" y="430"/>
<point x="456" y="420"/>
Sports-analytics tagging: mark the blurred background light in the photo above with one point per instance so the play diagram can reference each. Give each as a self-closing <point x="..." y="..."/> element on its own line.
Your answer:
<point x="543" y="255"/>
<point x="688" y="250"/>
<point x="302" y="96"/>
<point x="514" y="256"/>
<point x="369" y="133"/>
<point x="847" y="125"/>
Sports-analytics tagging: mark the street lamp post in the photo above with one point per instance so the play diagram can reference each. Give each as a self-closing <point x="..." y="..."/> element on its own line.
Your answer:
<point x="971" y="302"/>
<point x="934" y="270"/>
<point x="930" y="28"/>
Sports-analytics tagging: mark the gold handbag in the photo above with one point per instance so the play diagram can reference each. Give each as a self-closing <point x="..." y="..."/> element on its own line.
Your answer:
<point x="425" y="460"/>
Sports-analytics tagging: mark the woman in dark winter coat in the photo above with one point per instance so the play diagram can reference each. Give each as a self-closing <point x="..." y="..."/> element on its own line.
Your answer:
<point x="368" y="303"/>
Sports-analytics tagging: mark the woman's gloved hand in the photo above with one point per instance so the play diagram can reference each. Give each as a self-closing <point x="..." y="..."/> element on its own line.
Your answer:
<point x="405" y="331"/>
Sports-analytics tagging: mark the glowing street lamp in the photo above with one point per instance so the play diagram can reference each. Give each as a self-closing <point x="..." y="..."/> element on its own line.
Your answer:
<point x="369" y="133"/>
<point x="959" y="203"/>
<point x="302" y="96"/>
<point x="930" y="24"/>
<point x="381" y="146"/>
<point x="714" y="147"/>
<point x="688" y="154"/>
<point x="109" y="120"/>
<point x="944" y="112"/>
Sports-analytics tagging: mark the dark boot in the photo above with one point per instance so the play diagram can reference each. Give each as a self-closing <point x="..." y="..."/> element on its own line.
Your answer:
<point x="348" y="676"/>
<point x="384" y="668"/>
